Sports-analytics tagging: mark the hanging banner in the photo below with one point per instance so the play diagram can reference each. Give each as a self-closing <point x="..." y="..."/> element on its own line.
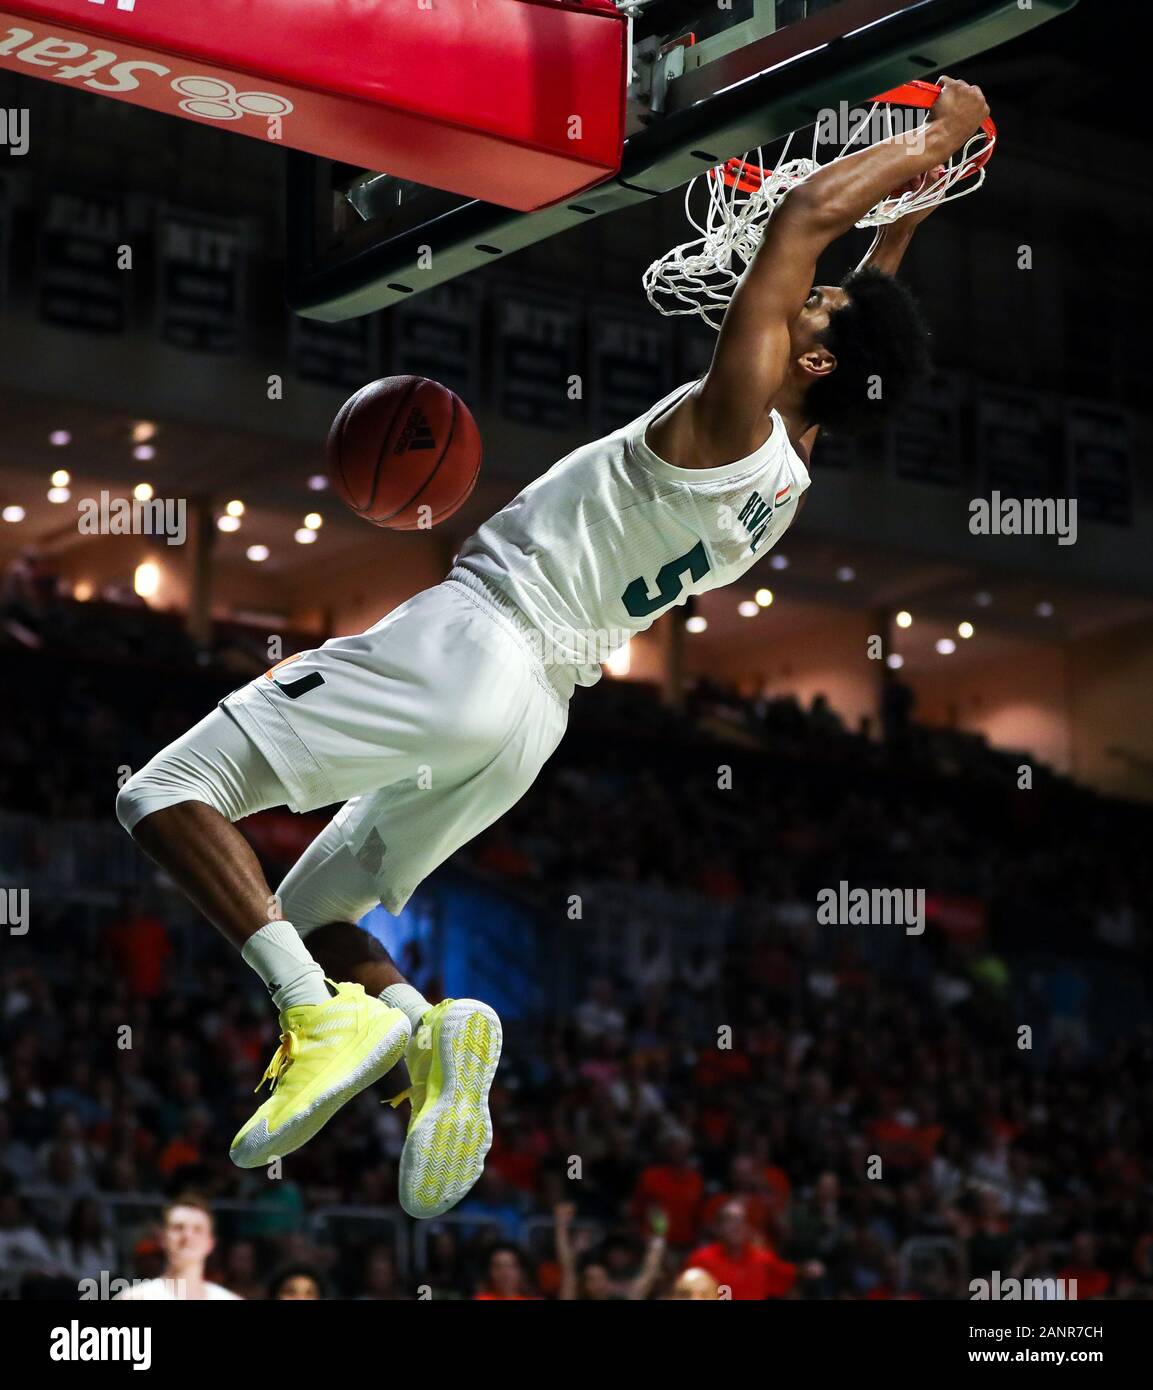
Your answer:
<point x="201" y="281"/>
<point x="631" y="358"/>
<point x="1099" y="451"/>
<point x="538" y="361"/>
<point x="437" y="334"/>
<point x="334" y="354"/>
<point x="1017" y="445"/>
<point x="925" y="442"/>
<point x="80" y="283"/>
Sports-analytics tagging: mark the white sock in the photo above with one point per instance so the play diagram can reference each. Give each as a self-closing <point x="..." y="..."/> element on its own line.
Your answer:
<point x="408" y="1000"/>
<point x="282" y="960"/>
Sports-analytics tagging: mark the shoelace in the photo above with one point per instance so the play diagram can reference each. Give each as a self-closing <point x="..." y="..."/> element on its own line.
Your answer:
<point x="281" y="1058"/>
<point x="423" y="1037"/>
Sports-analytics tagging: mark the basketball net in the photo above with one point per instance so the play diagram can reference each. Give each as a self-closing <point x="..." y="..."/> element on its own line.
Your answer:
<point x="699" y="276"/>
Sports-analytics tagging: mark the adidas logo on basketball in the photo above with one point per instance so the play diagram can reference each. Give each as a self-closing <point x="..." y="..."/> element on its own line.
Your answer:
<point x="416" y="434"/>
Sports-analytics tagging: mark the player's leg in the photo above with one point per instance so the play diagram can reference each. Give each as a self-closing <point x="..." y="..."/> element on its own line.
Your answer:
<point x="410" y="829"/>
<point x="179" y="808"/>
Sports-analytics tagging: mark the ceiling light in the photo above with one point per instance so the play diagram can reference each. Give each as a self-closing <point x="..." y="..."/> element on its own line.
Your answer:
<point x="146" y="579"/>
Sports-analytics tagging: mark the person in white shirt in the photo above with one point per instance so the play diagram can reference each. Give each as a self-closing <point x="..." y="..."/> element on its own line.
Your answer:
<point x="189" y="1238"/>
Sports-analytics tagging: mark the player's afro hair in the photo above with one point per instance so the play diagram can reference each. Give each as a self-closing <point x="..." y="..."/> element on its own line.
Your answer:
<point x="881" y="343"/>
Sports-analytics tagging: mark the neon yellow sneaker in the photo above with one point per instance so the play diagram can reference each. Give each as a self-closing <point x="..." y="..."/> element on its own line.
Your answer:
<point x="452" y="1060"/>
<point x="328" y="1053"/>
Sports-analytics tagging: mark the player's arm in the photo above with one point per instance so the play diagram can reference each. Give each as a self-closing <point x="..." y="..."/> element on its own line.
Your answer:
<point x="563" y="1216"/>
<point x="752" y="358"/>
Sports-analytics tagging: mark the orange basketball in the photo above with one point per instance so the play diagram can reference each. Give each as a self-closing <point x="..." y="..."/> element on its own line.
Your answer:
<point x="404" y="452"/>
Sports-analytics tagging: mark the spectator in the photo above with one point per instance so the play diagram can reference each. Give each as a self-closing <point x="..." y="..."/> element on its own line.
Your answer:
<point x="86" y="1249"/>
<point x="379" y="1277"/>
<point x="745" y="1266"/>
<point x="506" y="1276"/>
<point x="296" y="1283"/>
<point x="188" y="1239"/>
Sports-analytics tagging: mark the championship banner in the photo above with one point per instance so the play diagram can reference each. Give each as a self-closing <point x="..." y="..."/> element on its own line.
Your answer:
<point x="1099" y="454"/>
<point x="539" y="375"/>
<point x="437" y="334"/>
<point x="1017" y="444"/>
<point x="925" y="442"/>
<point x="200" y="294"/>
<point x="341" y="354"/>
<point x="79" y="283"/>
<point x="631" y="360"/>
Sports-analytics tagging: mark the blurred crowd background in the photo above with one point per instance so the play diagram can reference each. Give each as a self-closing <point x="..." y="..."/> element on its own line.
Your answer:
<point x="698" y="1076"/>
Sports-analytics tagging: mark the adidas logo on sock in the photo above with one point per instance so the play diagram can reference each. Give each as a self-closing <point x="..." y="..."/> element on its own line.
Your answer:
<point x="417" y="434"/>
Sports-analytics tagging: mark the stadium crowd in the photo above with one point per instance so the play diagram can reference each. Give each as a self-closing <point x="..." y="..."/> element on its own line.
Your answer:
<point x="807" y="1113"/>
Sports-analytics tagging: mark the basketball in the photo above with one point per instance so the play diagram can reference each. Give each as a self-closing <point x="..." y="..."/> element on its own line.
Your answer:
<point x="404" y="452"/>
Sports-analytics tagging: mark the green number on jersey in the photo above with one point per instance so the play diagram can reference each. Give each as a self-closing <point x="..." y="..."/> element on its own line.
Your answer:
<point x="670" y="583"/>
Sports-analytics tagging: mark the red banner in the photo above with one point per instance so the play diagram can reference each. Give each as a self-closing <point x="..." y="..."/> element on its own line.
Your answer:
<point x="518" y="102"/>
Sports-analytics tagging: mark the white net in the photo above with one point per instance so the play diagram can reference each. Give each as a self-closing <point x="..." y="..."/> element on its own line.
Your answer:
<point x="699" y="276"/>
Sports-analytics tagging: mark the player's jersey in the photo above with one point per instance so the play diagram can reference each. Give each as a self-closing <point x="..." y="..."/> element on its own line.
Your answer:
<point x="611" y="537"/>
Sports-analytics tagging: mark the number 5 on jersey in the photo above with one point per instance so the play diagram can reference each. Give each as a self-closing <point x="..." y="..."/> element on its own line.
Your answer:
<point x="670" y="583"/>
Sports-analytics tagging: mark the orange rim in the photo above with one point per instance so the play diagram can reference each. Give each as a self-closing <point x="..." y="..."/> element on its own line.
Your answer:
<point x="748" y="178"/>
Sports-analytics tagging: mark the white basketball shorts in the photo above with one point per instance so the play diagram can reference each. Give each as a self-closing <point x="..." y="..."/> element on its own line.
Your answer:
<point x="429" y="726"/>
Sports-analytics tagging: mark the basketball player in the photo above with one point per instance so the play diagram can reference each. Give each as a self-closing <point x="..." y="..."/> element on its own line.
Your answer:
<point x="431" y="724"/>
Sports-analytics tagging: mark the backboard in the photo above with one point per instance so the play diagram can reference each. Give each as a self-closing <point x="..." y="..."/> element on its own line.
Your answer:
<point x="708" y="81"/>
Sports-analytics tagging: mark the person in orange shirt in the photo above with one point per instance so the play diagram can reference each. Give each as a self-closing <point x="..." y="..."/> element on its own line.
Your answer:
<point x="673" y="1187"/>
<point x="763" y="1188"/>
<point x="744" y="1266"/>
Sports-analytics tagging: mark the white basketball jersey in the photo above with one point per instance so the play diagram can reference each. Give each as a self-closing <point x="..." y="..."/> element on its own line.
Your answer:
<point x="611" y="537"/>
